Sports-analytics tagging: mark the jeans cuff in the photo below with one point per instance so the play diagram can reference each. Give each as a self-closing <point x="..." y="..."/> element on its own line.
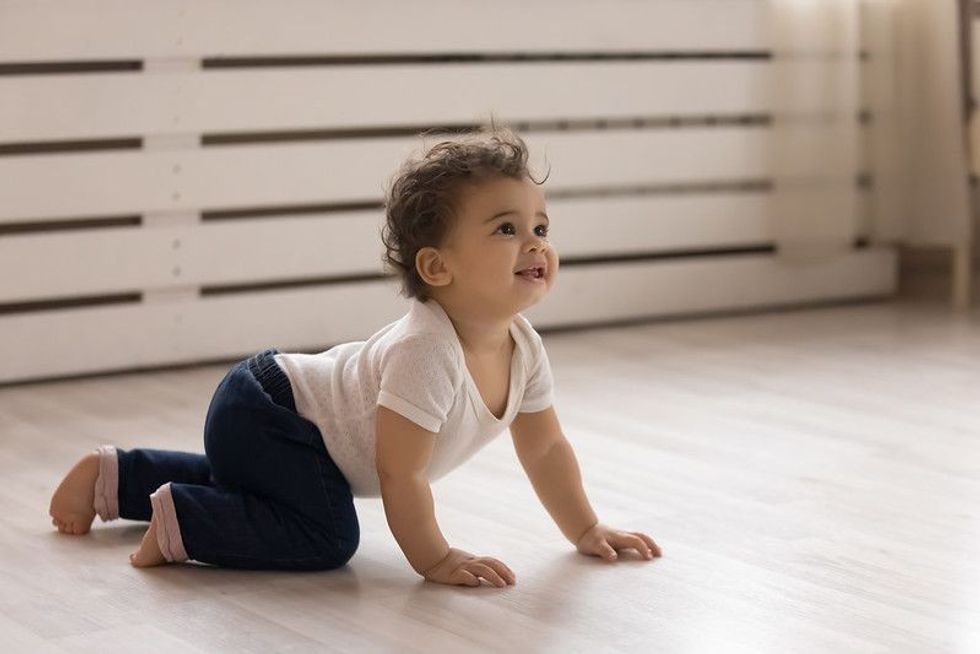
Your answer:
<point x="168" y="531"/>
<point x="106" y="500"/>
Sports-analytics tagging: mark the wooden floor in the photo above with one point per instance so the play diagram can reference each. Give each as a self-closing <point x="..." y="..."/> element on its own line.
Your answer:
<point x="813" y="478"/>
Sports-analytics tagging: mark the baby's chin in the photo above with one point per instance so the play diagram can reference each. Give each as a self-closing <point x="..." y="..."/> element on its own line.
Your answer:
<point x="531" y="297"/>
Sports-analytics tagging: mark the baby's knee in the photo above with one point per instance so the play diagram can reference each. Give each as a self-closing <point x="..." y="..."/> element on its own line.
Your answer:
<point x="346" y="550"/>
<point x="332" y="558"/>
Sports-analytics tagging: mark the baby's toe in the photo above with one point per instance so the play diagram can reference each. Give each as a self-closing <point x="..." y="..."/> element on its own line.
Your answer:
<point x="141" y="560"/>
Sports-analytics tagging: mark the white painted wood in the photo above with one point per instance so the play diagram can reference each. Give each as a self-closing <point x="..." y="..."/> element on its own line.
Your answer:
<point x="125" y="182"/>
<point x="52" y="30"/>
<point x="629" y="224"/>
<point x="50" y="107"/>
<point x="173" y="101"/>
<point x="177" y="288"/>
<point x="82" y="340"/>
<point x="118" y="259"/>
<point x="64" y="264"/>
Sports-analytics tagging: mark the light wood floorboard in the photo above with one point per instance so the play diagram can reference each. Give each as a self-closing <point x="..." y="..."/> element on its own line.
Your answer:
<point x="813" y="477"/>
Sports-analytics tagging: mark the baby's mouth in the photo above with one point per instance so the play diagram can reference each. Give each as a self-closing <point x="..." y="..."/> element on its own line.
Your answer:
<point x="532" y="274"/>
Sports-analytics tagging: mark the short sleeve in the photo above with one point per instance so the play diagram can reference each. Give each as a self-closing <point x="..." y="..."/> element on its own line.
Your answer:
<point x="419" y="379"/>
<point x="538" y="392"/>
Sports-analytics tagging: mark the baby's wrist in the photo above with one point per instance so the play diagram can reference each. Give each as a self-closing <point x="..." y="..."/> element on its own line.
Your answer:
<point x="435" y="565"/>
<point x="587" y="530"/>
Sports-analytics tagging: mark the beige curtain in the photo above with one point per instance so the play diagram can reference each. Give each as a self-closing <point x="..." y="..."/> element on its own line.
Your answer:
<point x="914" y="147"/>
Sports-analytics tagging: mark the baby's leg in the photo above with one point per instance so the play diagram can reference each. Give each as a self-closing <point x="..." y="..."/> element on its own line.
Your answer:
<point x="115" y="483"/>
<point x="142" y="471"/>
<point x="277" y="499"/>
<point x="238" y="529"/>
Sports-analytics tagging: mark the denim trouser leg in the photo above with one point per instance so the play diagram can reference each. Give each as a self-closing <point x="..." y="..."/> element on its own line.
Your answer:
<point x="265" y="495"/>
<point x="142" y="471"/>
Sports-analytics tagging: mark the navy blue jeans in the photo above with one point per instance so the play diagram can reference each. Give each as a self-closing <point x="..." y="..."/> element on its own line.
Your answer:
<point x="265" y="494"/>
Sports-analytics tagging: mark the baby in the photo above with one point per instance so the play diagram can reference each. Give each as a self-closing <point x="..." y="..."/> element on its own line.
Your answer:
<point x="291" y="438"/>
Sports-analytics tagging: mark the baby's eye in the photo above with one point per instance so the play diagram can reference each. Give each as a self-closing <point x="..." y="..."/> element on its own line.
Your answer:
<point x="542" y="229"/>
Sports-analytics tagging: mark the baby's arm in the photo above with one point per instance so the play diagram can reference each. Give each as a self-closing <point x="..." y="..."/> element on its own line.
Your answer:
<point x="550" y="464"/>
<point x="549" y="461"/>
<point x="402" y="455"/>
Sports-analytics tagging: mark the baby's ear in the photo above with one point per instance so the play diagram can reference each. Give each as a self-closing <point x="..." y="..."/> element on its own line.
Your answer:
<point x="431" y="267"/>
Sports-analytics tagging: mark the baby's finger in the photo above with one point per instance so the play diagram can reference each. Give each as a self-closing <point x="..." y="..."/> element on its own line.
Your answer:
<point x="501" y="569"/>
<point x="650" y="543"/>
<point x="607" y="551"/>
<point x="488" y="573"/>
<point x="467" y="578"/>
<point x="632" y="540"/>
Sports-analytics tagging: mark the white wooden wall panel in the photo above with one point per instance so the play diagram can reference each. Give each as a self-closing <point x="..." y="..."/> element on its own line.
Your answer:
<point x="156" y="74"/>
<point x="223" y="177"/>
<point x="133" y="336"/>
<point x="46" y="30"/>
<point x="114" y="260"/>
<point x="44" y="107"/>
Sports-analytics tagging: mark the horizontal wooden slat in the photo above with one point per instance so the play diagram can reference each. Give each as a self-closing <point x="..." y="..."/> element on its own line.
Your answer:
<point x="690" y="286"/>
<point x="49" y="107"/>
<point x="66" y="342"/>
<point x="35" y="266"/>
<point x="75" y="184"/>
<point x="47" y="30"/>
<point x="60" y="265"/>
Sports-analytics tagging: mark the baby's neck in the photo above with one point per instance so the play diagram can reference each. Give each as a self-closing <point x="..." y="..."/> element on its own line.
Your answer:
<point x="480" y="334"/>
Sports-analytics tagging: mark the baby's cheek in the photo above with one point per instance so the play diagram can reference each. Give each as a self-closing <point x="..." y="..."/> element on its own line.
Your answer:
<point x="553" y="263"/>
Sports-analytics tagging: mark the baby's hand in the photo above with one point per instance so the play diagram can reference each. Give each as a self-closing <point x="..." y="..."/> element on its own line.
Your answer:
<point x="602" y="541"/>
<point x="461" y="568"/>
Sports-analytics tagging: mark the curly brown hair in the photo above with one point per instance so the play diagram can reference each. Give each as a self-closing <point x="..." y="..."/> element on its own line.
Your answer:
<point x="421" y="200"/>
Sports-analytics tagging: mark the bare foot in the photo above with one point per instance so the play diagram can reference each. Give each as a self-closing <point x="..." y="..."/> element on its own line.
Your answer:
<point x="72" y="508"/>
<point x="149" y="553"/>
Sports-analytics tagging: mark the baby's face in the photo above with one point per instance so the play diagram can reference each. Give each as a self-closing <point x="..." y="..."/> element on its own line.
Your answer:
<point x="501" y="229"/>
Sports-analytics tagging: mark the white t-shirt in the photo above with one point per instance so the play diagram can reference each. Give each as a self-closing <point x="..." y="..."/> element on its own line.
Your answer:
<point x="414" y="366"/>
